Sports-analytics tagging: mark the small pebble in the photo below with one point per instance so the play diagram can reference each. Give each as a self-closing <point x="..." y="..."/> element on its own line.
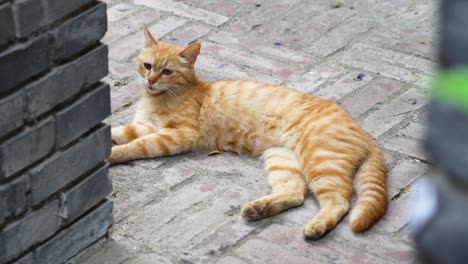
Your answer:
<point x="222" y="248"/>
<point x="412" y="101"/>
<point x="337" y="5"/>
<point x="214" y="152"/>
<point x="278" y="44"/>
<point x="122" y="8"/>
<point x="258" y="5"/>
<point x="360" y="76"/>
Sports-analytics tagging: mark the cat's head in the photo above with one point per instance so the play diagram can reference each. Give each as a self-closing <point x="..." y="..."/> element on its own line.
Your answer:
<point x="167" y="68"/>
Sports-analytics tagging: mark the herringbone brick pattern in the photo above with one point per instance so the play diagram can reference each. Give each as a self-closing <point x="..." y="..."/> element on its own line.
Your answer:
<point x="185" y="209"/>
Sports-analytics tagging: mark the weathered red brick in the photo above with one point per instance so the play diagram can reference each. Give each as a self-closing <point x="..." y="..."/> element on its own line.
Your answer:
<point x="208" y="243"/>
<point x="189" y="34"/>
<point x="403" y="174"/>
<point x="131" y="44"/>
<point x="126" y="95"/>
<point x="184" y="10"/>
<point x="385" y="62"/>
<point x="324" y="250"/>
<point x="320" y="75"/>
<point x="261" y="48"/>
<point x="413" y="130"/>
<point x="343" y="86"/>
<point x="119" y="11"/>
<point x="267" y="66"/>
<point x="340" y="36"/>
<point x="231" y="71"/>
<point x="405" y="39"/>
<point x="393" y="113"/>
<point x="266" y="252"/>
<point x="375" y="92"/>
<point x="223" y="7"/>
<point x="305" y="34"/>
<point x="130" y="24"/>
<point x="122" y="70"/>
<point x="262" y="14"/>
<point x="382" y="245"/>
<point x="410" y="147"/>
<point x="231" y="260"/>
<point x="161" y="213"/>
<point x="221" y="239"/>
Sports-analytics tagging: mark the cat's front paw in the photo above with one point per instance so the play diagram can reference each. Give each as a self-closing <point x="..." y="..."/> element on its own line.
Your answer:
<point x="116" y="155"/>
<point x="118" y="136"/>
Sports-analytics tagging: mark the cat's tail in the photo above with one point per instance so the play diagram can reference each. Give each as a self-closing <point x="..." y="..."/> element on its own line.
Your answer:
<point x="372" y="193"/>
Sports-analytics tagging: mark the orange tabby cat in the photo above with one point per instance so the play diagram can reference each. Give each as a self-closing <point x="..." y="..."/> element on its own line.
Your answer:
<point x="307" y="143"/>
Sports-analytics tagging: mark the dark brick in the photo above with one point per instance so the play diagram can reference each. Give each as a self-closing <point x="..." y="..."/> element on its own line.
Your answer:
<point x="64" y="167"/>
<point x="7" y="26"/>
<point x="76" y="119"/>
<point x="80" y="32"/>
<point x="77" y="237"/>
<point x="88" y="193"/>
<point x="11" y="108"/>
<point x="29" y="16"/>
<point x="12" y="198"/>
<point x="28" y="259"/>
<point x="66" y="81"/>
<point x="42" y="80"/>
<point x="23" y="61"/>
<point x="22" y="150"/>
<point x="32" y="229"/>
<point x="59" y="8"/>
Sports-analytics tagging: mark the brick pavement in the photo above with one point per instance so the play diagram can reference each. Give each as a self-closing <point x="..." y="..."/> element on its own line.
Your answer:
<point x="185" y="209"/>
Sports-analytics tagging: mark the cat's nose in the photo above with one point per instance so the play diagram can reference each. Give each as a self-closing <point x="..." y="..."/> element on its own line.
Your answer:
<point x="151" y="82"/>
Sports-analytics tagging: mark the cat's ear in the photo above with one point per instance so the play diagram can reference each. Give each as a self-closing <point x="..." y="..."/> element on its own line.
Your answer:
<point x="190" y="53"/>
<point x="149" y="39"/>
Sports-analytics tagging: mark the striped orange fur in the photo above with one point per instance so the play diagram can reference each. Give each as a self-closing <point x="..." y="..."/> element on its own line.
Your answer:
<point x="307" y="143"/>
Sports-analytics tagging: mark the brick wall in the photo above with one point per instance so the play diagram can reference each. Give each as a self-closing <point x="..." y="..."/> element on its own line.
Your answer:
<point x="53" y="175"/>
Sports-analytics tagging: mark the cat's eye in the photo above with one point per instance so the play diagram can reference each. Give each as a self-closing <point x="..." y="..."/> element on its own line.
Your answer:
<point x="167" y="72"/>
<point x="147" y="66"/>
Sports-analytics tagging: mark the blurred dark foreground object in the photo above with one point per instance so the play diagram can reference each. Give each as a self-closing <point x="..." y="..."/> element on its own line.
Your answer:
<point x="440" y="213"/>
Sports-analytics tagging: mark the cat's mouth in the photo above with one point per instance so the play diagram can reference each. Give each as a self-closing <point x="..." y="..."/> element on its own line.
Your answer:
<point x="156" y="91"/>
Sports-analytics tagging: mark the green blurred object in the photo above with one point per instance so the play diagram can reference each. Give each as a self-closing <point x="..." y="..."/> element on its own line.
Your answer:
<point x="451" y="86"/>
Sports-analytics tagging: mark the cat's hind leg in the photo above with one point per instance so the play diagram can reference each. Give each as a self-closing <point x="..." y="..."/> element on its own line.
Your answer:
<point x="288" y="185"/>
<point x="333" y="194"/>
<point x="329" y="171"/>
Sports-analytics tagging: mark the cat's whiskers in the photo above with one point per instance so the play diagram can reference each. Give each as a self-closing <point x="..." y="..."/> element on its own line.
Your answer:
<point x="178" y="89"/>
<point x="173" y="93"/>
